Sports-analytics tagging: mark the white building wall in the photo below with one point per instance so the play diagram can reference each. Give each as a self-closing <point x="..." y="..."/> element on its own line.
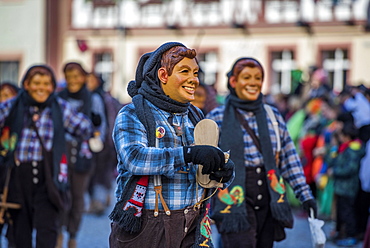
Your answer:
<point x="361" y="54"/>
<point x="22" y="31"/>
<point x="126" y="53"/>
<point x="72" y="53"/>
<point x="230" y="46"/>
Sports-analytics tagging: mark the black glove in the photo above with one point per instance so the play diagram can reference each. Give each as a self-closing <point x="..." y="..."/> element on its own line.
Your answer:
<point x="212" y="158"/>
<point x="224" y="174"/>
<point x="95" y="119"/>
<point x="307" y="205"/>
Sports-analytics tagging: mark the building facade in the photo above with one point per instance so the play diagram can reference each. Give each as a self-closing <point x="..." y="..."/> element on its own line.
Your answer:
<point x="289" y="37"/>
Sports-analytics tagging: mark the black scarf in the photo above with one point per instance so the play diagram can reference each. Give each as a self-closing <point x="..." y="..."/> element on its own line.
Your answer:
<point x="20" y="116"/>
<point x="83" y="94"/>
<point x="231" y="139"/>
<point x="146" y="87"/>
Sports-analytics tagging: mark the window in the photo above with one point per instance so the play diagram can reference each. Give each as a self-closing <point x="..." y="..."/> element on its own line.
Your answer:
<point x="337" y="64"/>
<point x="282" y="65"/>
<point x="9" y="71"/>
<point x="103" y="66"/>
<point x="209" y="66"/>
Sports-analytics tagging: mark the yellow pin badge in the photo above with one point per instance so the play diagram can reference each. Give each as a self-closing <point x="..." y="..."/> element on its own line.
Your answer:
<point x="159" y="132"/>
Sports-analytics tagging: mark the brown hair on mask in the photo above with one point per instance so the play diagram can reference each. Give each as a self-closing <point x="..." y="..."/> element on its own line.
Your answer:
<point x="174" y="55"/>
<point x="248" y="62"/>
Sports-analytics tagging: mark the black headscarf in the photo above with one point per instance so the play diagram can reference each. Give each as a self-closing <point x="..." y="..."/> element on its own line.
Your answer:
<point x="83" y="94"/>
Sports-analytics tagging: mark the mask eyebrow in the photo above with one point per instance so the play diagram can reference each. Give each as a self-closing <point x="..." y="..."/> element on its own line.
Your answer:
<point x="188" y="67"/>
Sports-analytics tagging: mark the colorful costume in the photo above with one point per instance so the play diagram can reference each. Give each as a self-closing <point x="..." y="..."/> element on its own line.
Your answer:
<point x="157" y="193"/>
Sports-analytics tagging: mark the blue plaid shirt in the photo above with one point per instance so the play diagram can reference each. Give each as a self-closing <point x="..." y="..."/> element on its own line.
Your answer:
<point x="179" y="187"/>
<point x="290" y="164"/>
<point x="29" y="147"/>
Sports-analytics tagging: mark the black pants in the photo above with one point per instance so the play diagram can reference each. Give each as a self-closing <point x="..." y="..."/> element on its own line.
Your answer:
<point x="104" y="165"/>
<point x="72" y="217"/>
<point x="346" y="214"/>
<point x="78" y="181"/>
<point x="262" y="225"/>
<point x="37" y="211"/>
<point x="362" y="205"/>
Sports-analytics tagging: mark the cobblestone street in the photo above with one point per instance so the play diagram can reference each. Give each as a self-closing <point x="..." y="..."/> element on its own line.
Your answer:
<point x="95" y="232"/>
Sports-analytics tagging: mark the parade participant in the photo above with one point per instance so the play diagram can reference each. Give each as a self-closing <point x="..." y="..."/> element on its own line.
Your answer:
<point x="33" y="127"/>
<point x="205" y="98"/>
<point x="79" y="152"/>
<point x="344" y="161"/>
<point x="7" y="91"/>
<point x="254" y="211"/>
<point x="355" y="102"/>
<point x="158" y="198"/>
<point x="104" y="161"/>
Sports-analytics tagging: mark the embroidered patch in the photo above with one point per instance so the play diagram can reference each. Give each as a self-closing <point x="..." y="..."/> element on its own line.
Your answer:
<point x="234" y="197"/>
<point x="205" y="228"/>
<point x="277" y="185"/>
<point x="7" y="141"/>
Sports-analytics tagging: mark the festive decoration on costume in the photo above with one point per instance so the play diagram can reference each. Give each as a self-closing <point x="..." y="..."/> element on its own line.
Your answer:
<point x="178" y="130"/>
<point x="8" y="141"/>
<point x="35" y="117"/>
<point x="137" y="199"/>
<point x="160" y="132"/>
<point x="63" y="172"/>
<point x="277" y="185"/>
<point x="235" y="197"/>
<point x="205" y="227"/>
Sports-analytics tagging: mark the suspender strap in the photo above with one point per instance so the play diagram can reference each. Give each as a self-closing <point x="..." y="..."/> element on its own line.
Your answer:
<point x="158" y="192"/>
<point x="275" y="125"/>
<point x="195" y="117"/>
